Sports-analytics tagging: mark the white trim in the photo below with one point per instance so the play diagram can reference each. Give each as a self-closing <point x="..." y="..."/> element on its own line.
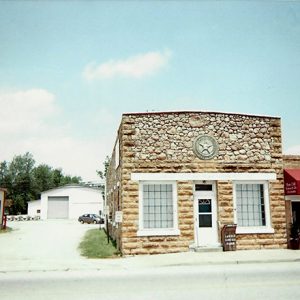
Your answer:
<point x="293" y="197"/>
<point x="201" y="176"/>
<point x="158" y="231"/>
<point x="254" y="229"/>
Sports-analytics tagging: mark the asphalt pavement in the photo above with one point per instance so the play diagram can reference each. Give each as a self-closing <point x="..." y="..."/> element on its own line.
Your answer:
<point x="274" y="281"/>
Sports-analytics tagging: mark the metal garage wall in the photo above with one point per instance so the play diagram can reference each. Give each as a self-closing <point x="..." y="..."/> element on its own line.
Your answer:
<point x="79" y="209"/>
<point x="58" y="207"/>
<point x="82" y="200"/>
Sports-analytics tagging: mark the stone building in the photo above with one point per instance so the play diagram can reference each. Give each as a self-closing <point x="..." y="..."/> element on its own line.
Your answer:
<point x="176" y="178"/>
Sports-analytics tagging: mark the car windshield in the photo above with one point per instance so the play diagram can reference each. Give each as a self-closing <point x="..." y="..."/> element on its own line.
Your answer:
<point x="96" y="216"/>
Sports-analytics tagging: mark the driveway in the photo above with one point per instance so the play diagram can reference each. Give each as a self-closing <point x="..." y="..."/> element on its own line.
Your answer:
<point x="49" y="244"/>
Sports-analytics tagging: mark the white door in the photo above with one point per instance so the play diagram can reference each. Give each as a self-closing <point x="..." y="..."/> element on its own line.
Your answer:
<point x="58" y="208"/>
<point x="205" y="210"/>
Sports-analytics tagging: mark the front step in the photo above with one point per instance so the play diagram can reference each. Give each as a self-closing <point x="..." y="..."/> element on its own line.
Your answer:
<point x="208" y="249"/>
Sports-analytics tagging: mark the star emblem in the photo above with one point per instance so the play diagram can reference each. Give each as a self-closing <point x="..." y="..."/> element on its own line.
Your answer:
<point x="205" y="147"/>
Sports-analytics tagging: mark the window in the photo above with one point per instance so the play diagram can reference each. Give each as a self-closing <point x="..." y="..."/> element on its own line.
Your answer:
<point x="203" y="187"/>
<point x="252" y="213"/>
<point x="250" y="204"/>
<point x="158" y="209"/>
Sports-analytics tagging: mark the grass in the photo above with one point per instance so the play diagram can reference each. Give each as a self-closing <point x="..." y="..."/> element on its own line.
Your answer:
<point x="94" y="245"/>
<point x="7" y="229"/>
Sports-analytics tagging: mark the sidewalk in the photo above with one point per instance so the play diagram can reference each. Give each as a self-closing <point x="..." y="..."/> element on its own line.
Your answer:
<point x="154" y="261"/>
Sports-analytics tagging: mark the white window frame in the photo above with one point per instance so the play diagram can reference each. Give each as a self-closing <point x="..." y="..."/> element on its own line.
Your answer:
<point x="254" y="229"/>
<point x="158" y="231"/>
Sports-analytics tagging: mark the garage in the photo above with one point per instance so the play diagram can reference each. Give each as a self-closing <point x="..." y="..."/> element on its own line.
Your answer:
<point x="58" y="207"/>
<point x="71" y="201"/>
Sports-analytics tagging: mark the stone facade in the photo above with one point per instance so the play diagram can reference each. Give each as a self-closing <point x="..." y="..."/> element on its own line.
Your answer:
<point x="291" y="161"/>
<point x="163" y="143"/>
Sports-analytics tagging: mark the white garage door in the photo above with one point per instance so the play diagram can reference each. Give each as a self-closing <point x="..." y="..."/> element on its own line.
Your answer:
<point x="58" y="208"/>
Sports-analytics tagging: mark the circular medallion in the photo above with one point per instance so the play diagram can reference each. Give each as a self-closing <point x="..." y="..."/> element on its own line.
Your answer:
<point x="205" y="147"/>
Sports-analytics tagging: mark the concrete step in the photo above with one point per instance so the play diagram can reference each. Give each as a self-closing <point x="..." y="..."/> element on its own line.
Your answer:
<point x="208" y="249"/>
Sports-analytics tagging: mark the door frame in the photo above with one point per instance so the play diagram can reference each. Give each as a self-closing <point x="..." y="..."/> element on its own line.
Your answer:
<point x="213" y="195"/>
<point x="293" y="202"/>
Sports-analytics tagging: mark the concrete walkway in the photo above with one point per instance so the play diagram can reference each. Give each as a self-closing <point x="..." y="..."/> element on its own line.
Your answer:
<point x="52" y="246"/>
<point x="155" y="261"/>
<point x="42" y="245"/>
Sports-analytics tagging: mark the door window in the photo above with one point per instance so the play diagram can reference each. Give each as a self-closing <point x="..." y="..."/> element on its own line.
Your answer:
<point x="205" y="212"/>
<point x="203" y="187"/>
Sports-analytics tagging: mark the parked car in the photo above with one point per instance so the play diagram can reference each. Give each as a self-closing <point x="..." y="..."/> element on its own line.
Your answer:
<point x="91" y="218"/>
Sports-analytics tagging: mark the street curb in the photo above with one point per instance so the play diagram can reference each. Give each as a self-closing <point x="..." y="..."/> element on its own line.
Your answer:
<point x="235" y="262"/>
<point x="139" y="267"/>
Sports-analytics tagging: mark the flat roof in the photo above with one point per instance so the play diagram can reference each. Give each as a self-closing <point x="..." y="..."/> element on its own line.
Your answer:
<point x="197" y="111"/>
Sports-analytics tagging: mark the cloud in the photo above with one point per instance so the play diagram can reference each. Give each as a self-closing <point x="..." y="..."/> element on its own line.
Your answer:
<point x="135" y="67"/>
<point x="75" y="156"/>
<point x="24" y="111"/>
<point x="30" y="121"/>
<point x="294" y="150"/>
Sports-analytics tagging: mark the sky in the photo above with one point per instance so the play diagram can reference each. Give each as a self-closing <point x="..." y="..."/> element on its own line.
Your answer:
<point x="69" y="69"/>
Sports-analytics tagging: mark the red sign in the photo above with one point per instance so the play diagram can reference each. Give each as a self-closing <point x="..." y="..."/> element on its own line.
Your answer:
<point x="292" y="181"/>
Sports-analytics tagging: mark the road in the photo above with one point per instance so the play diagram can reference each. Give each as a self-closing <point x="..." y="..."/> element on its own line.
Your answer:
<point x="236" y="281"/>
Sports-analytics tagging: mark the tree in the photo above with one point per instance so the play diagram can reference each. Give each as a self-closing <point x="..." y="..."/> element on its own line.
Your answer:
<point x="5" y="179"/>
<point x="103" y="173"/>
<point x="69" y="180"/>
<point x="43" y="179"/>
<point x="57" y="176"/>
<point x="21" y="176"/>
<point x="26" y="182"/>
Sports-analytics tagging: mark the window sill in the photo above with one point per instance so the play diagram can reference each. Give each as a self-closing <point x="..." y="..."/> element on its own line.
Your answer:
<point x="158" y="232"/>
<point x="249" y="230"/>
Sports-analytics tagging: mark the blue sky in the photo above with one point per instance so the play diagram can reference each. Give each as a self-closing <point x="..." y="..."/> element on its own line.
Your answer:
<point x="69" y="69"/>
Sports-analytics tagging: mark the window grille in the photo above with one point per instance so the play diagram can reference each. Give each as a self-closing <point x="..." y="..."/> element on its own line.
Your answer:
<point x="250" y="205"/>
<point x="158" y="206"/>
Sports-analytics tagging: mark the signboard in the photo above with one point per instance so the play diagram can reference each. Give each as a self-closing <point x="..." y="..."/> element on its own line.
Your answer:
<point x="118" y="216"/>
<point x="291" y="188"/>
<point x="229" y="237"/>
<point x="292" y="181"/>
<point x="106" y="210"/>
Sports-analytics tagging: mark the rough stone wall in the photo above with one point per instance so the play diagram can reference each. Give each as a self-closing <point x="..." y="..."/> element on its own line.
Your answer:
<point x="113" y="196"/>
<point x="278" y="222"/>
<point x="163" y="142"/>
<point x="291" y="161"/>
<point x="224" y="204"/>
<point x="170" y="136"/>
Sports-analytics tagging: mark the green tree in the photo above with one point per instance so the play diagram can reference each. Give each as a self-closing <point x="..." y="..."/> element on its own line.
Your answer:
<point x="57" y="177"/>
<point x="21" y="173"/>
<point x="5" y="179"/>
<point x="69" y="180"/>
<point x="25" y="182"/>
<point x="103" y="173"/>
<point x="43" y="179"/>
